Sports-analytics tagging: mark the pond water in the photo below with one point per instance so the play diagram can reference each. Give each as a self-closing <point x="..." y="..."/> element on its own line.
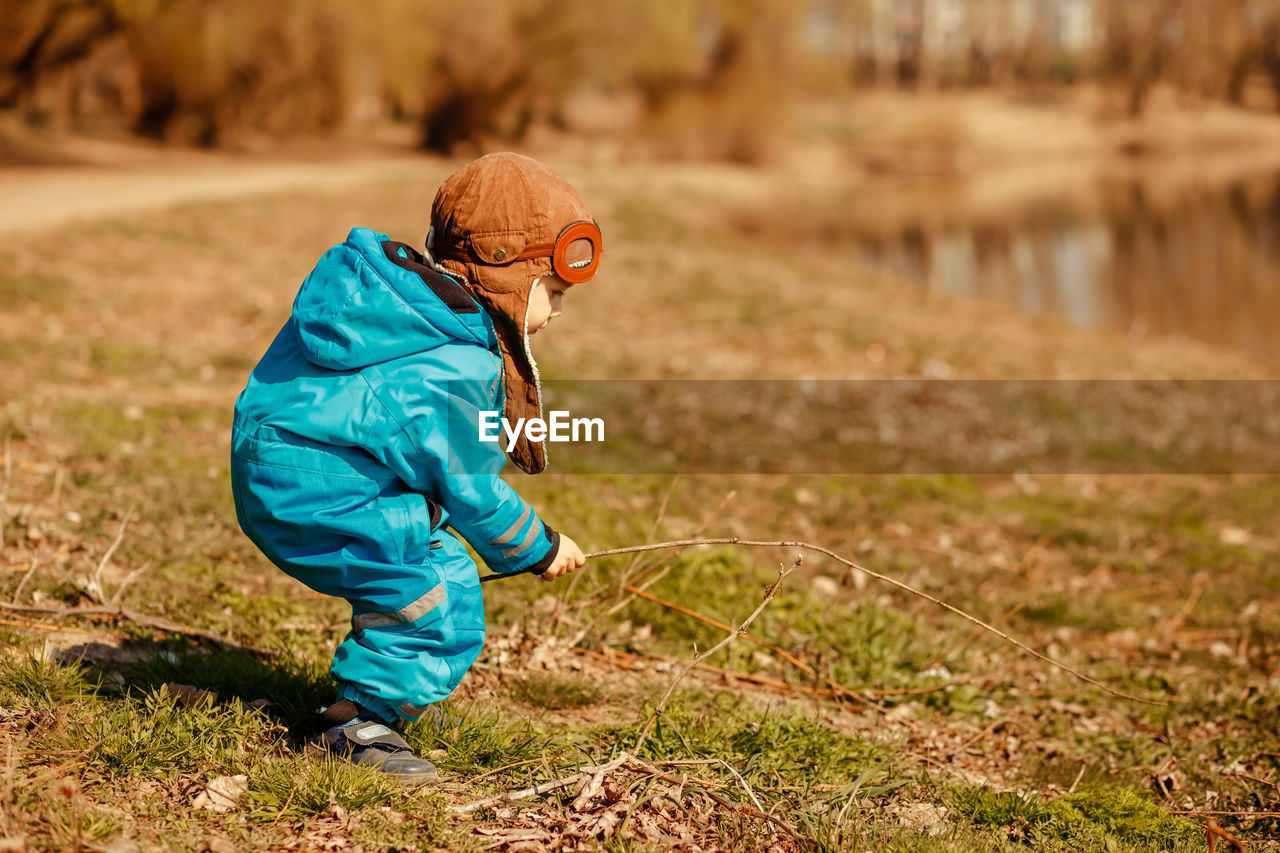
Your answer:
<point x="1205" y="265"/>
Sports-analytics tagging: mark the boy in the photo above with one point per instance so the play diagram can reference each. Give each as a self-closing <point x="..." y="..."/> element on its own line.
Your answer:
<point x="355" y="443"/>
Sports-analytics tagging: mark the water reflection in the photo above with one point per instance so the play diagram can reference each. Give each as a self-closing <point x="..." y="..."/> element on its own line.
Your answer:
<point x="1207" y="267"/>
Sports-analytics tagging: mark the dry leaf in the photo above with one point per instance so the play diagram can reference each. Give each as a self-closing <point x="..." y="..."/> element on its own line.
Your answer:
<point x="189" y="696"/>
<point x="221" y="794"/>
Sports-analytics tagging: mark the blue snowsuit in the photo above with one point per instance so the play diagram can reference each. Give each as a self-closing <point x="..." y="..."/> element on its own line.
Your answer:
<point x="355" y="445"/>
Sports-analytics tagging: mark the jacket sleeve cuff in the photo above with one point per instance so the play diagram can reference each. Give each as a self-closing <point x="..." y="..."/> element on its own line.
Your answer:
<point x="550" y="557"/>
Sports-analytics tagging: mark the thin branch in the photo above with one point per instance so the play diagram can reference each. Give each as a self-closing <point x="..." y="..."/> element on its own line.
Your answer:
<point x="543" y="788"/>
<point x="1244" y="814"/>
<point x="650" y="769"/>
<point x="96" y="584"/>
<point x="35" y="561"/>
<point x="699" y="658"/>
<point x="487" y="773"/>
<point x="139" y="619"/>
<point x="747" y="788"/>
<point x="563" y="603"/>
<point x="1214" y="829"/>
<point x="790" y="543"/>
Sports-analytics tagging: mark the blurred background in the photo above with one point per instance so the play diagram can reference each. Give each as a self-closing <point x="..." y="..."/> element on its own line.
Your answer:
<point x="1113" y="164"/>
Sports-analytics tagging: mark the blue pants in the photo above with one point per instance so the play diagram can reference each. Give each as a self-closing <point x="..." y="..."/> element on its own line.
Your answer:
<point x="417" y="619"/>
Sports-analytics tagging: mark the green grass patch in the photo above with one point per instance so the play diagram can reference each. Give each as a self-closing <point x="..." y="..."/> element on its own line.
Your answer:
<point x="1103" y="818"/>
<point x="467" y="740"/>
<point x="299" y="788"/>
<point x="762" y="743"/>
<point x="31" y="681"/>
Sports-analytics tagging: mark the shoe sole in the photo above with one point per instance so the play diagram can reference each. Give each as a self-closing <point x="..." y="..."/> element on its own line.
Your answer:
<point x="413" y="779"/>
<point x="318" y="750"/>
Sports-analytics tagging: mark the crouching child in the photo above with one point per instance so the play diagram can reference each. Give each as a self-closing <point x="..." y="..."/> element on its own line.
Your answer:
<point x="355" y="452"/>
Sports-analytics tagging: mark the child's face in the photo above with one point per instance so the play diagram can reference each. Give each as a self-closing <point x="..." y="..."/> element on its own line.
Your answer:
<point x="545" y="301"/>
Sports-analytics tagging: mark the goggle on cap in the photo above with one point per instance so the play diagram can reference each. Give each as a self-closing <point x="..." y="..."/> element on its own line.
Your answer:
<point x="504" y="219"/>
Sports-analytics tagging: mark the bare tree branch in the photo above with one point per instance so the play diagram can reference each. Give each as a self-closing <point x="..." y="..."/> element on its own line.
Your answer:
<point x="140" y="619"/>
<point x="599" y="772"/>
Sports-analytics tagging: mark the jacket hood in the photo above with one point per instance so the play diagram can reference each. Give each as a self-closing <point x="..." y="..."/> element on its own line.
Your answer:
<point x="371" y="299"/>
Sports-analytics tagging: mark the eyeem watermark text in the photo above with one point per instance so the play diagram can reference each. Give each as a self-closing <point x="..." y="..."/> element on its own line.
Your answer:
<point x="560" y="427"/>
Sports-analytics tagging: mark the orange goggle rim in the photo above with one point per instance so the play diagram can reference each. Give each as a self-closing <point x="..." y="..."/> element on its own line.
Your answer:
<point x="558" y="251"/>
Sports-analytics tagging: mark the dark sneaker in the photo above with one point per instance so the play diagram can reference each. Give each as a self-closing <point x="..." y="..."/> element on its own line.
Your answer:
<point x="358" y="735"/>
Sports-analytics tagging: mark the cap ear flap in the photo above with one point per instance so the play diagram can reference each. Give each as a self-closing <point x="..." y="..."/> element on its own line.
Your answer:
<point x="497" y="248"/>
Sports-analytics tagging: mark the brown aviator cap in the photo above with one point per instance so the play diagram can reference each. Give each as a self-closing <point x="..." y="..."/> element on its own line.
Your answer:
<point x="498" y="222"/>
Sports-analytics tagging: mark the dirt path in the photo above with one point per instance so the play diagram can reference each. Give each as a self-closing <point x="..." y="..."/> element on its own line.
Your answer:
<point x="44" y="198"/>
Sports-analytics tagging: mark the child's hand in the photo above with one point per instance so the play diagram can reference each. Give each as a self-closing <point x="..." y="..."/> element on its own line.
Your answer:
<point x="568" y="558"/>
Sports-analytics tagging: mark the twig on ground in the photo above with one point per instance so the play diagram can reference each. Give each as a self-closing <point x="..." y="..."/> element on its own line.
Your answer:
<point x="653" y="770"/>
<point x="95" y="583"/>
<point x="35" y="561"/>
<point x="1244" y="814"/>
<point x="287" y="801"/>
<point x="791" y="543"/>
<point x="512" y="766"/>
<point x="139" y="619"/>
<point x="1251" y="779"/>
<point x="1083" y="766"/>
<point x="750" y="793"/>
<point x="1215" y="830"/>
<point x="995" y="724"/>
<point x="544" y="788"/>
<point x="38" y="626"/>
<point x="699" y="658"/>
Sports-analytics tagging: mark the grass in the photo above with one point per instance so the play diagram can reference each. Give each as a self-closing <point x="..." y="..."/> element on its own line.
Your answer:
<point x="1139" y="581"/>
<point x="555" y="692"/>
<point x="1098" y="817"/>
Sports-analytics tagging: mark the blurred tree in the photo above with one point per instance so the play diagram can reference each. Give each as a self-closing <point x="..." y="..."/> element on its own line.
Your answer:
<point x="1135" y="46"/>
<point x="501" y="64"/>
<point x="205" y="68"/>
<point x="709" y="77"/>
<point x="44" y="39"/>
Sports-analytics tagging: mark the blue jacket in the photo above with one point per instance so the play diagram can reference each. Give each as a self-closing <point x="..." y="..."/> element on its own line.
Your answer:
<point x="360" y="423"/>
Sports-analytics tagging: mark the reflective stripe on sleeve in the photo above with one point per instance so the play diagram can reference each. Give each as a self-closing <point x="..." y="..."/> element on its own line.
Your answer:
<point x="514" y="530"/>
<point x="512" y="550"/>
